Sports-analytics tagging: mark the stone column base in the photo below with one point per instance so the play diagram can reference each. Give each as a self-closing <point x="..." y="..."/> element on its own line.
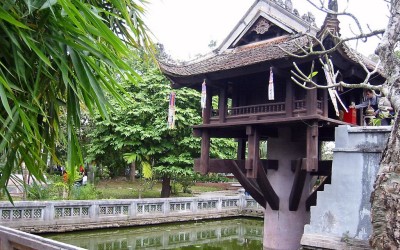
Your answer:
<point x="318" y="241"/>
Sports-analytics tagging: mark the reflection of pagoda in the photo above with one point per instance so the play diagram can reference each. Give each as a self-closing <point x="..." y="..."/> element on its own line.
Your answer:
<point x="294" y="122"/>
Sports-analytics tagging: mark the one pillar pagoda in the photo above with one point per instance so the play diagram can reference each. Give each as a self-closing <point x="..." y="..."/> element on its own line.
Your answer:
<point x="250" y="73"/>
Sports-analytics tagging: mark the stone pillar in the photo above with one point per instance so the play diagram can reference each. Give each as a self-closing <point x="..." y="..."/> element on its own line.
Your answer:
<point x="283" y="228"/>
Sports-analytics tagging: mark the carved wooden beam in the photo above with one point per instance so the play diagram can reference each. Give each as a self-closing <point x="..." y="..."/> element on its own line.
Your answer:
<point x="268" y="192"/>
<point x="298" y="185"/>
<point x="312" y="147"/>
<point x="253" y="152"/>
<point x="249" y="186"/>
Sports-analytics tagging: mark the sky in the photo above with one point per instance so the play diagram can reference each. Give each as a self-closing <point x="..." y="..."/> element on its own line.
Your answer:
<point x="186" y="27"/>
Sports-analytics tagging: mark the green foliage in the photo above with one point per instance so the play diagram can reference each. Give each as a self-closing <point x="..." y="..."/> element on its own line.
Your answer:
<point x="138" y="132"/>
<point x="87" y="192"/>
<point x="327" y="150"/>
<point x="146" y="170"/>
<point x="210" y="177"/>
<point x="176" y="187"/>
<point x="55" y="58"/>
<point x="102" y="172"/>
<point x="141" y="161"/>
<point x="312" y="74"/>
<point x="37" y="191"/>
<point x="53" y="190"/>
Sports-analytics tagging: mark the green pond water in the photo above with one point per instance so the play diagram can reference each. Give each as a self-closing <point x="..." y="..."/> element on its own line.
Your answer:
<point x="228" y="234"/>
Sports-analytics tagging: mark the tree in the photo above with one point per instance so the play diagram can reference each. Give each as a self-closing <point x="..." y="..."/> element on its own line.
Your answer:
<point x="385" y="200"/>
<point x="56" y="56"/>
<point x="139" y="130"/>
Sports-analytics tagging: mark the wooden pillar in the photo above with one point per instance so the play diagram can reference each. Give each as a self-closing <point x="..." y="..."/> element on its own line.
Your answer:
<point x="311" y="102"/>
<point x="205" y="151"/>
<point x="207" y="110"/>
<point x="235" y="95"/>
<point x="289" y="98"/>
<point x="325" y="102"/>
<point x="241" y="149"/>
<point x="251" y="164"/>
<point x="312" y="147"/>
<point x="222" y="102"/>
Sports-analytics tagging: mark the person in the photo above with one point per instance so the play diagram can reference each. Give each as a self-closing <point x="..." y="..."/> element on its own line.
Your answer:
<point x="65" y="176"/>
<point x="381" y="106"/>
<point x="84" y="179"/>
<point x="386" y="112"/>
<point x="371" y="100"/>
<point x="81" y="169"/>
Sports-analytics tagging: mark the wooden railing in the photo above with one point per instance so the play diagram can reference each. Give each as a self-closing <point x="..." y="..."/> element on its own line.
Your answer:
<point x="299" y="105"/>
<point x="278" y="107"/>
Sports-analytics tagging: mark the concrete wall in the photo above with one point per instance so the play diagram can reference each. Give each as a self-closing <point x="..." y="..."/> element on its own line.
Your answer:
<point x="62" y="216"/>
<point x="342" y="214"/>
<point x="17" y="240"/>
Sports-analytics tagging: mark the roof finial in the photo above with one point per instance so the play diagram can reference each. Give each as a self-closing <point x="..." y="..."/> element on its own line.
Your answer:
<point x="333" y="5"/>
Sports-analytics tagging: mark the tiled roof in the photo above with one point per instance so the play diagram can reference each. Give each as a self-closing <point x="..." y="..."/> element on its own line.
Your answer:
<point x="238" y="57"/>
<point x="252" y="54"/>
<point x="351" y="54"/>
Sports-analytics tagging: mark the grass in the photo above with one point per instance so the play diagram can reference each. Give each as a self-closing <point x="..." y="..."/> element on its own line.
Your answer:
<point x="121" y="189"/>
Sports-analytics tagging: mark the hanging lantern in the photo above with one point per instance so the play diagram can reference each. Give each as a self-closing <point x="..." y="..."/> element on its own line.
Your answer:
<point x="203" y="95"/>
<point x="171" y="111"/>
<point x="271" y="94"/>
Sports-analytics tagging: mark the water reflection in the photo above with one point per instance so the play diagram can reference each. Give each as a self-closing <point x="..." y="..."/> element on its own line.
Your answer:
<point x="222" y="234"/>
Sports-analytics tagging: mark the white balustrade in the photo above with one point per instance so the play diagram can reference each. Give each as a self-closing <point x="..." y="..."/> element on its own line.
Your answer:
<point x="47" y="216"/>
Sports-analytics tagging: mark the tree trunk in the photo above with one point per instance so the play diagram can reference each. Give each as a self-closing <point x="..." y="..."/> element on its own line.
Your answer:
<point x="132" y="171"/>
<point x="385" y="198"/>
<point x="166" y="187"/>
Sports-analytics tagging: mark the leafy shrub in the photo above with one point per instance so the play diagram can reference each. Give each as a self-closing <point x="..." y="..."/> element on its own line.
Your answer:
<point x="102" y="172"/>
<point x="175" y="187"/>
<point x="37" y="191"/>
<point x="186" y="182"/>
<point x="87" y="192"/>
<point x="210" y="177"/>
<point x="54" y="189"/>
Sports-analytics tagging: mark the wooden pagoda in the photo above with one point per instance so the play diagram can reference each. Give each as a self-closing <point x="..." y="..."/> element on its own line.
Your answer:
<point x="294" y="123"/>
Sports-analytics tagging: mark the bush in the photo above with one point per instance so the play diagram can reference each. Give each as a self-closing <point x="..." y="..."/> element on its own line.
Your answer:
<point x="185" y="182"/>
<point x="175" y="187"/>
<point x="37" y="191"/>
<point x="87" y="192"/>
<point x="52" y="190"/>
<point x="210" y="177"/>
<point x="102" y="172"/>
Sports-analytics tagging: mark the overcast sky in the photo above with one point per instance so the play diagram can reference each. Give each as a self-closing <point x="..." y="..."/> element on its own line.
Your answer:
<point x="186" y="27"/>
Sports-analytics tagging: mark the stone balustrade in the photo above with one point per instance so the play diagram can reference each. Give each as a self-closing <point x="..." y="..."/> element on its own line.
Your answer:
<point x="62" y="216"/>
<point x="15" y="239"/>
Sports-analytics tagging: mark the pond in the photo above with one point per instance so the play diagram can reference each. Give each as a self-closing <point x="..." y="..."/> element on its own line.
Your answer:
<point x="228" y="234"/>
